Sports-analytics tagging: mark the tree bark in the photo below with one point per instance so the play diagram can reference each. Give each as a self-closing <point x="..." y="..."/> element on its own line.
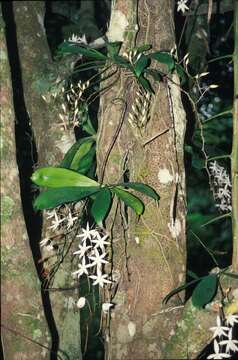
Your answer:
<point x="149" y="253"/>
<point x="37" y="70"/>
<point x="22" y="318"/>
<point x="234" y="154"/>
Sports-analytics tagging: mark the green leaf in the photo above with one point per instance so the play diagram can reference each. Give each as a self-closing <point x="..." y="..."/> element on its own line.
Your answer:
<point x="68" y="158"/>
<point x="178" y="289"/>
<point x="181" y="74"/>
<point x="87" y="161"/>
<point x="164" y="58"/>
<point x="141" y="64"/>
<point x="130" y="200"/>
<point x="101" y="205"/>
<point x="81" y="152"/>
<point x="88" y="126"/>
<point x="205" y="291"/>
<point x="54" y="197"/>
<point x="71" y="48"/>
<point x="114" y="48"/>
<point x="143" y="188"/>
<point x="59" y="177"/>
<point x="146" y="84"/>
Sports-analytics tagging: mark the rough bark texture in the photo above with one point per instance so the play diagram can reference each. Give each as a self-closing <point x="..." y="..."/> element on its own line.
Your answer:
<point x="148" y="253"/>
<point x="21" y="308"/>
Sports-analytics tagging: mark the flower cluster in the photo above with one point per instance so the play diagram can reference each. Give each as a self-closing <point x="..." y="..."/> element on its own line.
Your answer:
<point x="61" y="218"/>
<point x="224" y="344"/>
<point x="70" y="115"/>
<point x="222" y="186"/>
<point x="92" y="256"/>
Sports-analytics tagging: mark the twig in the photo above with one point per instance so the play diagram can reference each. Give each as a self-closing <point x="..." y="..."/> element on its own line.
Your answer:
<point x="155" y="136"/>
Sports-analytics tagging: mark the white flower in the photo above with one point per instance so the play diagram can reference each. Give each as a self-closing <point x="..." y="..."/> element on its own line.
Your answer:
<point x="106" y="307"/>
<point x="50" y="213"/>
<point x="81" y="302"/>
<point x="56" y="222"/>
<point x="231" y="319"/>
<point x="83" y="269"/>
<point x="87" y="233"/>
<point x="230" y="343"/>
<point x="181" y="6"/>
<point x="77" y="39"/>
<point x="98" y="259"/>
<point x="222" y="186"/>
<point x="217" y="355"/>
<point x="100" y="241"/>
<point x="82" y="249"/>
<point x="70" y="220"/>
<point x="100" y="279"/>
<point x="219" y="330"/>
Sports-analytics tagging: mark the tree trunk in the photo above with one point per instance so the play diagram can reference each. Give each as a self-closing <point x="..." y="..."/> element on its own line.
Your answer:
<point x="47" y="142"/>
<point x="22" y="318"/>
<point x="148" y="253"/>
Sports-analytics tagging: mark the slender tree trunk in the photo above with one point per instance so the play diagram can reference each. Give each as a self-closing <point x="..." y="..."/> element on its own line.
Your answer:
<point x="148" y="253"/>
<point x="22" y="317"/>
<point x="43" y="123"/>
<point x="234" y="155"/>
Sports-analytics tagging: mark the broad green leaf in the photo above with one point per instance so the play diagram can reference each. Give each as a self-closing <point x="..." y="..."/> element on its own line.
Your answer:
<point x="81" y="152"/>
<point x="86" y="161"/>
<point x="53" y="197"/>
<point x="59" y="177"/>
<point x="71" y="48"/>
<point x="146" y="84"/>
<point x="181" y="73"/>
<point x="101" y="205"/>
<point x="143" y="188"/>
<point x="178" y="289"/>
<point x="205" y="291"/>
<point x="114" y="48"/>
<point x="130" y="200"/>
<point x="141" y="64"/>
<point x="68" y="158"/>
<point x="164" y="58"/>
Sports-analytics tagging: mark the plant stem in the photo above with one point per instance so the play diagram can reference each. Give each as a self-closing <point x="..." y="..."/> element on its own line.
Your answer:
<point x="234" y="154"/>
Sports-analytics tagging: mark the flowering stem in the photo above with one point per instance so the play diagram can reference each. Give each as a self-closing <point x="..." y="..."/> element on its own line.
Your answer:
<point x="234" y="154"/>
